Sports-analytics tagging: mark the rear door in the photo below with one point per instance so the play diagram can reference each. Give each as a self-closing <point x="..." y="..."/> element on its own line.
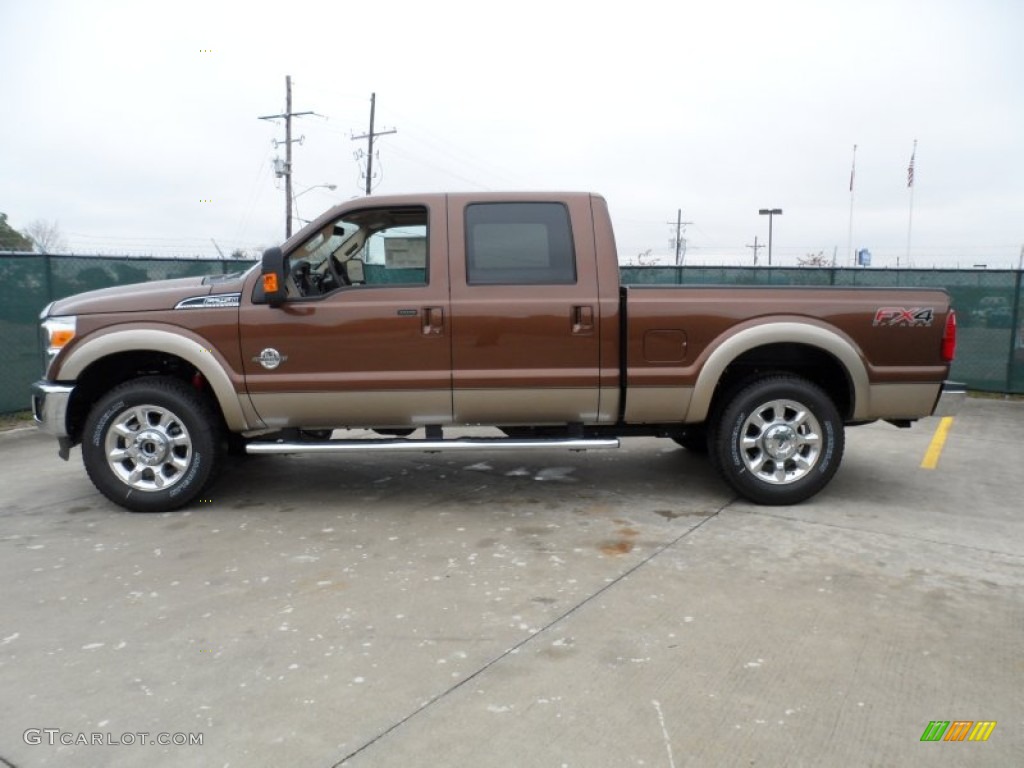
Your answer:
<point x="524" y="310"/>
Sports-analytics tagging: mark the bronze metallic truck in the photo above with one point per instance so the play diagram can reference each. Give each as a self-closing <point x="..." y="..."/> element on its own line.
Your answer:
<point x="409" y="315"/>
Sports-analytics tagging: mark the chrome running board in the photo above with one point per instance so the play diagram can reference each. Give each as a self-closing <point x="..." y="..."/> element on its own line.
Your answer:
<point x="429" y="446"/>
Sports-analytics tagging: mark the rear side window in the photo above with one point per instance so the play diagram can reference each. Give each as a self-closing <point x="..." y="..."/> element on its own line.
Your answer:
<point x="519" y="244"/>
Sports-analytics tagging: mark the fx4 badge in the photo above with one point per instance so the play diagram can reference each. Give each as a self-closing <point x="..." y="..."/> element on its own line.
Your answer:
<point x="904" y="317"/>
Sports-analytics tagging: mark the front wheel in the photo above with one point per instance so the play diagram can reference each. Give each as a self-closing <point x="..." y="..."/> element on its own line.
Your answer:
<point x="152" y="444"/>
<point x="778" y="440"/>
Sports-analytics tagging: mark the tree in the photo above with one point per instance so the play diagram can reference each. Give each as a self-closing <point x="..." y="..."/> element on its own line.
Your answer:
<point x="46" y="236"/>
<point x="646" y="258"/>
<point x="11" y="239"/>
<point x="813" y="260"/>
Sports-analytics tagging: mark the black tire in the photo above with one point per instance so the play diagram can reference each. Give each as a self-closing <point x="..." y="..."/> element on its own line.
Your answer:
<point x="694" y="439"/>
<point x="152" y="444"/>
<point x="777" y="440"/>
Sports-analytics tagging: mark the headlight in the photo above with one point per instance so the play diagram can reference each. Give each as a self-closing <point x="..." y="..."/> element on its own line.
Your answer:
<point x="59" y="331"/>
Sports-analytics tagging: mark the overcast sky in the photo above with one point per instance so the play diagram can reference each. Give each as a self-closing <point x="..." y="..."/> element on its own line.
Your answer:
<point x="117" y="123"/>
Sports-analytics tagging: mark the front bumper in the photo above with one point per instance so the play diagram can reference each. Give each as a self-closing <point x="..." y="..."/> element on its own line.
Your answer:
<point x="951" y="398"/>
<point x="50" y="410"/>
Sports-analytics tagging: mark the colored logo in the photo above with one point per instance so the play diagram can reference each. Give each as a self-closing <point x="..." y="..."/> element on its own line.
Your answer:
<point x="904" y="317"/>
<point x="958" y="730"/>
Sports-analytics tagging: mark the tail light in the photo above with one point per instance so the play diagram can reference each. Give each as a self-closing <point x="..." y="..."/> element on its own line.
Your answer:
<point x="949" y="338"/>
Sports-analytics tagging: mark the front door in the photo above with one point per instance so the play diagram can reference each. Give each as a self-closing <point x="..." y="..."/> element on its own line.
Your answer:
<point x="364" y="338"/>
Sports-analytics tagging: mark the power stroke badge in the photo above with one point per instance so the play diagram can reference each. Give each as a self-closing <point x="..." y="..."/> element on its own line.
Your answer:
<point x="270" y="358"/>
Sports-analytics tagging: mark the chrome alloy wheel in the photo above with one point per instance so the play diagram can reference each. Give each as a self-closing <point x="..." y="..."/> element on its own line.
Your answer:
<point x="780" y="442"/>
<point x="148" y="448"/>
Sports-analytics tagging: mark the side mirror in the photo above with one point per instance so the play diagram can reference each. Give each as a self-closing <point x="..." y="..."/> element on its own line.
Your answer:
<point x="354" y="271"/>
<point x="273" y="277"/>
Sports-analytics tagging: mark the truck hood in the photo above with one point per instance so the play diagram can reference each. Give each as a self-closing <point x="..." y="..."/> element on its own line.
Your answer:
<point x="143" y="297"/>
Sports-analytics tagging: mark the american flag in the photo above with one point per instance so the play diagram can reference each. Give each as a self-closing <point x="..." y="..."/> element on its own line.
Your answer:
<point x="910" y="168"/>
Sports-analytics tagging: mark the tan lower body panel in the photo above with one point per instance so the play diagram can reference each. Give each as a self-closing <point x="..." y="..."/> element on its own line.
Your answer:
<point x="414" y="408"/>
<point x="657" y="405"/>
<point x="406" y="408"/>
<point x="901" y="401"/>
<point x="666" y="405"/>
<point x="536" y="406"/>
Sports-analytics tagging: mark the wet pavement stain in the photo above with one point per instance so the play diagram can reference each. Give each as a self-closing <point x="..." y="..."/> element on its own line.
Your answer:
<point x="615" y="548"/>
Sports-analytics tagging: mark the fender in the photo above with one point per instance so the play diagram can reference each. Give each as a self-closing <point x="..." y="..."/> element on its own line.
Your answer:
<point x="786" y="332"/>
<point x="178" y="342"/>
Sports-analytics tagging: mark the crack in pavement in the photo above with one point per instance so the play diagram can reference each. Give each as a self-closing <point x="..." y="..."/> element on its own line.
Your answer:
<point x="515" y="648"/>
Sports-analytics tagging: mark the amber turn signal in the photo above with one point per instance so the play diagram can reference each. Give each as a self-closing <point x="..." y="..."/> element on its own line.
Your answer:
<point x="270" y="283"/>
<point x="59" y="337"/>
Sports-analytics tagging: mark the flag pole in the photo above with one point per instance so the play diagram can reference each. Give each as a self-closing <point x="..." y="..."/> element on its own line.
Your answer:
<point x="910" y="185"/>
<point x="849" y="235"/>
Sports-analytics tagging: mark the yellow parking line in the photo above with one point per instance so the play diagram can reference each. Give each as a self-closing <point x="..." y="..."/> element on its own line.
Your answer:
<point x="931" y="458"/>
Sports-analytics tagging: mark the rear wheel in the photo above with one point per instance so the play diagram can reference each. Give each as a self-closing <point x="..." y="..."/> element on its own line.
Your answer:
<point x="152" y="444"/>
<point x="778" y="440"/>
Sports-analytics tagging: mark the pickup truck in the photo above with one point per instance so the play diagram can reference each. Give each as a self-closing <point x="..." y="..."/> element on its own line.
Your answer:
<point x="410" y="315"/>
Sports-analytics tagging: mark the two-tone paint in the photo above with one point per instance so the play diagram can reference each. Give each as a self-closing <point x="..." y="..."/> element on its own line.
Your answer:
<point x="453" y="353"/>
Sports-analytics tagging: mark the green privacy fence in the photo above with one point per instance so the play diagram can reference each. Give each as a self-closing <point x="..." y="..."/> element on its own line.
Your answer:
<point x="989" y="305"/>
<point x="28" y="282"/>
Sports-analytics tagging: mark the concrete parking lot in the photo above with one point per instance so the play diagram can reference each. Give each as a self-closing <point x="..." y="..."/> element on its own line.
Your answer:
<point x="541" y="609"/>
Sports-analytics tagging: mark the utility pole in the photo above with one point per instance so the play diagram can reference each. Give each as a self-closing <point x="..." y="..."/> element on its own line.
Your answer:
<point x="756" y="248"/>
<point x="679" y="241"/>
<point x="286" y="171"/>
<point x="369" y="138"/>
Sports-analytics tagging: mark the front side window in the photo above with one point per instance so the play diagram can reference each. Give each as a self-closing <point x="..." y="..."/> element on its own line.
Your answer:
<point x="367" y="248"/>
<point x="519" y="244"/>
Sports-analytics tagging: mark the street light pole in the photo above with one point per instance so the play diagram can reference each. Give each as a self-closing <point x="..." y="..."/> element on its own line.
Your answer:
<point x="770" y="213"/>
<point x="331" y="187"/>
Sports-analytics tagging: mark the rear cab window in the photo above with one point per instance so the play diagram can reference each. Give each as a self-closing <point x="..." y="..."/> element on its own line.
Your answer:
<point x="519" y="244"/>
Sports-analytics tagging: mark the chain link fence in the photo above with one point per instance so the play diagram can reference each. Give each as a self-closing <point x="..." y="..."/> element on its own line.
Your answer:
<point x="989" y="304"/>
<point x="989" y="307"/>
<point x="28" y="282"/>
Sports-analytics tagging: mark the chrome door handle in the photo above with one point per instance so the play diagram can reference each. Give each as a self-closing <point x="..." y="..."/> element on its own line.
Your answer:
<point x="433" y="321"/>
<point x="582" y="318"/>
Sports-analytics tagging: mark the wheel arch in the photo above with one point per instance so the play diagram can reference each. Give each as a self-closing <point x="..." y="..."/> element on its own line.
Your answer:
<point x="816" y="353"/>
<point x="98" y="364"/>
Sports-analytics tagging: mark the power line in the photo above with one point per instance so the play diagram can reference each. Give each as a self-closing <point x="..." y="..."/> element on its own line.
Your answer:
<point x="459" y="154"/>
<point x="254" y="190"/>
